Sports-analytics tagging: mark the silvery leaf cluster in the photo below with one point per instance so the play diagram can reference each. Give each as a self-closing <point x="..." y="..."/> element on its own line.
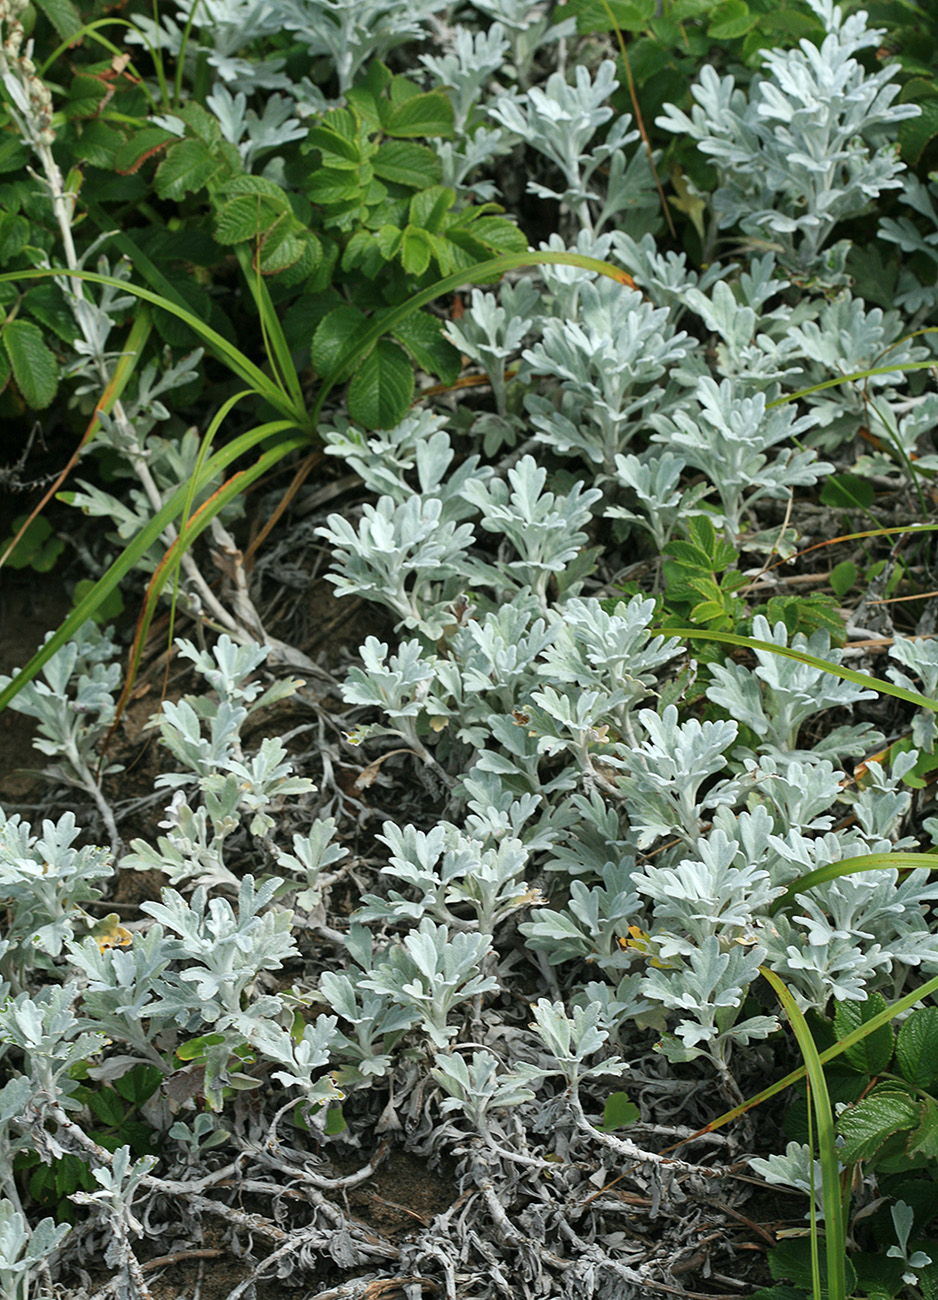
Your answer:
<point x="730" y="437"/>
<point x="807" y="147"/>
<point x="610" y="364"/>
<point x="559" y="121"/>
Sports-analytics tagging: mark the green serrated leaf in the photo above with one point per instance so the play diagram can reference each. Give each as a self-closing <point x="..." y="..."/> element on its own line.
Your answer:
<point x="689" y="555"/>
<point x="186" y="169"/>
<point x="145" y="144"/>
<point x="328" y="185"/>
<point x="85" y="96"/>
<point x="34" y="367"/>
<point x="874" y="1052"/>
<point x="780" y="1292"/>
<point x="707" y="611"/>
<point x="98" y="145"/>
<point x="790" y="1261"/>
<point x="303" y="316"/>
<point x="249" y="216"/>
<point x="681" y="10"/>
<point x="494" y="234"/>
<point x="335" y="334"/>
<point x="48" y="305"/>
<point x="285" y="245"/>
<point x="873" y="1121"/>
<point x="415" y="250"/>
<point x="363" y="253"/>
<point x="203" y="124"/>
<point x="107" y="1107"/>
<point x="730" y="20"/>
<point x="14" y="236"/>
<point x="430" y="206"/>
<point x="422" y="336"/>
<point x="63" y="16"/>
<point x="717" y="553"/>
<point x="337" y="139"/>
<point x="878" y="1277"/>
<point x="917" y="1048"/>
<point x="389" y="241"/>
<point x="401" y="162"/>
<point x="807" y="614"/>
<point x="367" y="95"/>
<point x="928" y="1281"/>
<point x="382" y="388"/>
<point x="593" y="15"/>
<point x="13" y="154"/>
<point x="923" y="1139"/>
<point x="429" y="114"/>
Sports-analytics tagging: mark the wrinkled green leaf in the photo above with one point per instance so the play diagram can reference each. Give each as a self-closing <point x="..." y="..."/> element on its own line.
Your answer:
<point x="382" y="388"/>
<point x="145" y="144"/>
<point x="415" y="251"/>
<point x="187" y="168"/>
<point x="401" y="162"/>
<point x="594" y="16"/>
<point x="34" y="367"/>
<point x="730" y="20"/>
<point x="248" y="216"/>
<point x="139" y="1083"/>
<point x="428" y="114"/>
<point x="63" y="16"/>
<point x="874" y="1052"/>
<point x="917" y="1048"/>
<point x="422" y="336"/>
<point x="923" y="1140"/>
<point x="872" y="1121"/>
<point x="335" y="334"/>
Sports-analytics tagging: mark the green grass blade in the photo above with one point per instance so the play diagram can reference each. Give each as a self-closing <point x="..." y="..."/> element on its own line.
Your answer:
<point x="149" y="534"/>
<point x="850" y="866"/>
<point x="194" y="527"/>
<point x="279" y="354"/>
<point x="834" y="1237"/>
<point x="181" y="60"/>
<point x="234" y="358"/>
<point x="204" y="449"/>
<point x="850" y="379"/>
<point x="836" y="670"/>
<point x="815" y="1254"/>
<point x="906" y="461"/>
<point x="91" y="29"/>
<point x="167" y="290"/>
